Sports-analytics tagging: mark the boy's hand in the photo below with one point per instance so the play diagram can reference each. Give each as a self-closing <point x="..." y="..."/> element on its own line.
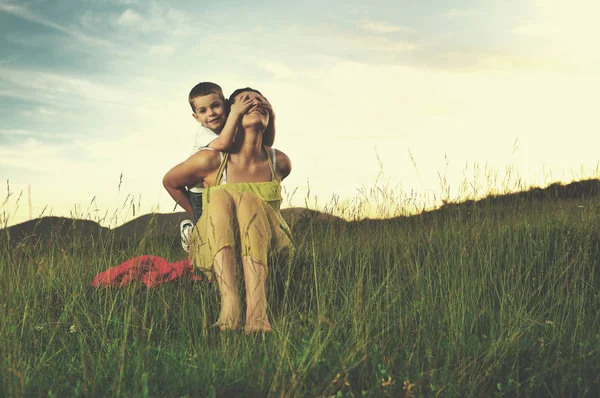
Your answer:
<point x="267" y="105"/>
<point x="242" y="105"/>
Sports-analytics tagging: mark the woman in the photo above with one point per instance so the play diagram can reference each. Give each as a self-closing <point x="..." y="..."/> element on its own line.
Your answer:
<point x="241" y="217"/>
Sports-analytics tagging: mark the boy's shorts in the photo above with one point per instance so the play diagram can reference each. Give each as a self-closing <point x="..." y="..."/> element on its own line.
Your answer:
<point x="196" y="201"/>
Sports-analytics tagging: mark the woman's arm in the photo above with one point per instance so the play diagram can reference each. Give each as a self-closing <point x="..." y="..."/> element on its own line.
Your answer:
<point x="284" y="165"/>
<point x="189" y="173"/>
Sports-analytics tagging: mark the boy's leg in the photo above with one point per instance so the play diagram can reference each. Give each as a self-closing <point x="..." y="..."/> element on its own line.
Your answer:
<point x="196" y="202"/>
<point x="185" y="228"/>
<point x="185" y="232"/>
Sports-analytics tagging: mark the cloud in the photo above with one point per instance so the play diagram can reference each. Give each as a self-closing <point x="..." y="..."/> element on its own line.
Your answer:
<point x="53" y="86"/>
<point x="162" y="50"/>
<point x="24" y="13"/>
<point x="41" y="112"/>
<point x="166" y="22"/>
<point x="15" y="132"/>
<point x="383" y="44"/>
<point x="310" y="47"/>
<point x="130" y="17"/>
<point x="79" y="169"/>
<point x="73" y="33"/>
<point x="382" y="27"/>
<point x="129" y="2"/>
<point x="467" y="12"/>
<point x="44" y="154"/>
<point x="277" y="69"/>
<point x="566" y="30"/>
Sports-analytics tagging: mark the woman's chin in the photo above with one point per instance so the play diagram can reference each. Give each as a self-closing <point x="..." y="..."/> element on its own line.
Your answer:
<point x="258" y="123"/>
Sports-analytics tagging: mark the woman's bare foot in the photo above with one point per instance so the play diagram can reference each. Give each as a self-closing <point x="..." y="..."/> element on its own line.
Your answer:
<point x="224" y="326"/>
<point x="229" y="318"/>
<point x="257" y="326"/>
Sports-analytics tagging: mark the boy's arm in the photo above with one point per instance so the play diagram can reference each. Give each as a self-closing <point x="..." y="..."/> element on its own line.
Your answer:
<point x="189" y="173"/>
<point x="225" y="139"/>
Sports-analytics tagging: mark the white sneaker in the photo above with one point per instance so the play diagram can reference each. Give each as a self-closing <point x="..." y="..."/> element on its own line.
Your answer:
<point x="185" y="230"/>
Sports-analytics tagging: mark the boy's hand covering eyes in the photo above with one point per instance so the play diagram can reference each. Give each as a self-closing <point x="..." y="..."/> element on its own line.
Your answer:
<point x="267" y="105"/>
<point x="242" y="105"/>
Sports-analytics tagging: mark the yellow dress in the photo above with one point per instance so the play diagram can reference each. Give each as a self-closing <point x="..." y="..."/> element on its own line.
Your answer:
<point x="245" y="216"/>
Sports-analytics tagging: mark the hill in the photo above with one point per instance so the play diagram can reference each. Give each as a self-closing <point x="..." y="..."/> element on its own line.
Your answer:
<point x="157" y="224"/>
<point x="43" y="229"/>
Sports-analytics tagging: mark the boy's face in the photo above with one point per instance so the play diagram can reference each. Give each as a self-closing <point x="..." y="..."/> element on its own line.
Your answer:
<point x="209" y="111"/>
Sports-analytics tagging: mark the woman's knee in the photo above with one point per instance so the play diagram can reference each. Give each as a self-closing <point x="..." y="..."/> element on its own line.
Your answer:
<point x="220" y="205"/>
<point x="255" y="233"/>
<point x="249" y="210"/>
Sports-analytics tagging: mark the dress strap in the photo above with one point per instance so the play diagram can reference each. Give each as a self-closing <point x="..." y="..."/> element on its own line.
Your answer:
<point x="272" y="162"/>
<point x="221" y="172"/>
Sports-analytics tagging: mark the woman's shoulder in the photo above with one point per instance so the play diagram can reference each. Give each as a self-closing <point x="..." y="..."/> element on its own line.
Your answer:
<point x="283" y="163"/>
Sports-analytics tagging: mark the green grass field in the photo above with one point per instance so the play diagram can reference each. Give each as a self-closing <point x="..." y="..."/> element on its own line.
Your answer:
<point x="485" y="299"/>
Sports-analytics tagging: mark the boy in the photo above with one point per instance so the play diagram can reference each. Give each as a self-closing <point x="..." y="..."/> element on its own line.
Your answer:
<point x="218" y="128"/>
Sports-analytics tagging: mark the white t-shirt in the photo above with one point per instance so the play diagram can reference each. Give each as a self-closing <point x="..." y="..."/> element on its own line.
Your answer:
<point x="203" y="137"/>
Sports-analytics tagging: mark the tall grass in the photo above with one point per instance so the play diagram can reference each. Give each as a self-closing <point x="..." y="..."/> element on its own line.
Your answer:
<point x="471" y="300"/>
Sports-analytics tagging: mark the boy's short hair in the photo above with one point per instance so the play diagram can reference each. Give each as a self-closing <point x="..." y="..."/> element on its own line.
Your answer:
<point x="241" y="90"/>
<point x="204" y="88"/>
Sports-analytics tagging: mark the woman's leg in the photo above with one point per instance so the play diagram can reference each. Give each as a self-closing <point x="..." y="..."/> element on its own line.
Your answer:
<point x="255" y="238"/>
<point x="255" y="276"/>
<point x="224" y="266"/>
<point x="220" y="213"/>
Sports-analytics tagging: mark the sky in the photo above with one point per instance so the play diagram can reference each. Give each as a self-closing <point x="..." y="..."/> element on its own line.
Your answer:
<point x="386" y="107"/>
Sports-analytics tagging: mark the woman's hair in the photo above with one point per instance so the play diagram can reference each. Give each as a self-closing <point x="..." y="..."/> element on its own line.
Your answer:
<point x="231" y="99"/>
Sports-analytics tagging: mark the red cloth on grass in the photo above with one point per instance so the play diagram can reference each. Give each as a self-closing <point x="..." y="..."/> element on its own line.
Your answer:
<point x="151" y="270"/>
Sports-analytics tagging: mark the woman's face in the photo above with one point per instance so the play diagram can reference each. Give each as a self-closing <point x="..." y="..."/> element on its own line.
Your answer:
<point x="257" y="114"/>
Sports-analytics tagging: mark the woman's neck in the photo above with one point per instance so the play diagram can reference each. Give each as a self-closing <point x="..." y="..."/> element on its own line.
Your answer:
<point x="247" y="146"/>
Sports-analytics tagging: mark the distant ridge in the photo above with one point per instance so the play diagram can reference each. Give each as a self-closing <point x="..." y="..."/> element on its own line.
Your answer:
<point x="574" y="190"/>
<point x="148" y="225"/>
<point x="43" y="229"/>
<point x="62" y="228"/>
